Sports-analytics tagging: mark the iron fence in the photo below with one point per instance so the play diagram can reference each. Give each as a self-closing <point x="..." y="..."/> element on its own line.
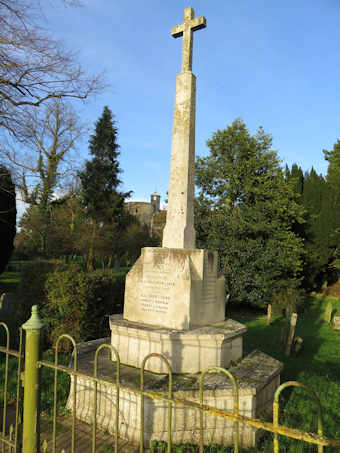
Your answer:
<point x="30" y="430"/>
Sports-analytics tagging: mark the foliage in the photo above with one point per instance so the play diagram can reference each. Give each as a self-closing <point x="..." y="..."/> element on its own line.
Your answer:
<point x="321" y="230"/>
<point x="45" y="160"/>
<point x="79" y="302"/>
<point x="286" y="299"/>
<point x="67" y="232"/>
<point x="7" y="216"/>
<point x="31" y="289"/>
<point x="245" y="210"/>
<point x="100" y="180"/>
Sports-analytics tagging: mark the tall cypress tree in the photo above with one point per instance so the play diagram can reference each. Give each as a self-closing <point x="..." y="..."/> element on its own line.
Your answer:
<point x="100" y="179"/>
<point x="7" y="216"/>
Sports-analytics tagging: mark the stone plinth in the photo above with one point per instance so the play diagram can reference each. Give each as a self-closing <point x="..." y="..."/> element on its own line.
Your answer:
<point x="175" y="289"/>
<point x="188" y="351"/>
<point x="258" y="376"/>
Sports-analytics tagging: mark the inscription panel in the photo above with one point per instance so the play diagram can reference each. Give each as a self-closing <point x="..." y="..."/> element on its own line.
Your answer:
<point x="156" y="291"/>
<point x="210" y="278"/>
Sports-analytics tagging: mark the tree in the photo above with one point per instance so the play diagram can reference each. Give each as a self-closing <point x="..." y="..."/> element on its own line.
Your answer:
<point x="245" y="210"/>
<point x="45" y="161"/>
<point x="100" y="181"/>
<point x="34" y="67"/>
<point x="7" y="216"/>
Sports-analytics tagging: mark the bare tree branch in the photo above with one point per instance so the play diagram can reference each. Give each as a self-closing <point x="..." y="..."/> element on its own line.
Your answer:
<point x="35" y="68"/>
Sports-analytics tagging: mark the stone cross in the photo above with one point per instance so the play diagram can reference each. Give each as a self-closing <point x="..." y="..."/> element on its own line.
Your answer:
<point x="186" y="30"/>
<point x="179" y="229"/>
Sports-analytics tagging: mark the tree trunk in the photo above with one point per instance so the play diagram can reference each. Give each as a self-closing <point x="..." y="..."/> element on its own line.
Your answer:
<point x="90" y="258"/>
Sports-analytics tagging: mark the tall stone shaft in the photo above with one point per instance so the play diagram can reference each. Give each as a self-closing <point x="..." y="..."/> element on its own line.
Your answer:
<point x="179" y="230"/>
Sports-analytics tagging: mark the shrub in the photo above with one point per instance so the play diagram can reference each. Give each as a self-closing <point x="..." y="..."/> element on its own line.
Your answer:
<point x="78" y="303"/>
<point x="31" y="289"/>
<point x="287" y="299"/>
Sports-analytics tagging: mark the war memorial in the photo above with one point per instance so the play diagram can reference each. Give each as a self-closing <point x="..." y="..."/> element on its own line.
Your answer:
<point x="175" y="305"/>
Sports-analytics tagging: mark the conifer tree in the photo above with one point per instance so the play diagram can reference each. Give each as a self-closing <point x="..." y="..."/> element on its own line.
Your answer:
<point x="7" y="216"/>
<point x="100" y="179"/>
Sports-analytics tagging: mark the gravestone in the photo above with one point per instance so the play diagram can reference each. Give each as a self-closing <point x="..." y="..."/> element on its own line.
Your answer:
<point x="269" y="314"/>
<point x="291" y="333"/>
<point x="336" y="323"/>
<point x="328" y="312"/>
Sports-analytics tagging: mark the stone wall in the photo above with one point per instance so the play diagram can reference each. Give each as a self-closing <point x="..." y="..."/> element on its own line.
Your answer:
<point x="141" y="209"/>
<point x="144" y="212"/>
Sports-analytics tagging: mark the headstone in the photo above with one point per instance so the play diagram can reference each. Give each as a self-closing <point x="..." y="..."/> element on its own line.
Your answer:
<point x="269" y="313"/>
<point x="297" y="345"/>
<point x="328" y="312"/>
<point x="2" y="298"/>
<point x="336" y="323"/>
<point x="291" y="333"/>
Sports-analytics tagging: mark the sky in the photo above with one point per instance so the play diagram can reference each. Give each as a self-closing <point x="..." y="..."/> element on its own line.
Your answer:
<point x="271" y="63"/>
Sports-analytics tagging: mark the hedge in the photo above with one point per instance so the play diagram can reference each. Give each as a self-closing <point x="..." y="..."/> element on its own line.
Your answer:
<point x="70" y="300"/>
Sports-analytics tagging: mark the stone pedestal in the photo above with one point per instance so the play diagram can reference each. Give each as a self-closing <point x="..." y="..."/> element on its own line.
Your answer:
<point x="258" y="376"/>
<point x="175" y="288"/>
<point x="188" y="351"/>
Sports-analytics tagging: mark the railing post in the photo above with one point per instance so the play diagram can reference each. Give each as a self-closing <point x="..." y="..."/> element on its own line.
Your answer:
<point x="31" y="429"/>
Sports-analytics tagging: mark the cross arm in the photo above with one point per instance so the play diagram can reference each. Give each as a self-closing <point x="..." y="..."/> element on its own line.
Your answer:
<point x="195" y="24"/>
<point x="177" y="31"/>
<point x="198" y="23"/>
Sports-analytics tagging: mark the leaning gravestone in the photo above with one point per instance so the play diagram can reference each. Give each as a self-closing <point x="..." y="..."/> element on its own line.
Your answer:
<point x="175" y="305"/>
<point x="328" y="312"/>
<point x="291" y="333"/>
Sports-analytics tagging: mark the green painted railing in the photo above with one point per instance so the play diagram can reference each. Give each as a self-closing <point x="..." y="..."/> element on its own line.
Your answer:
<point x="12" y="441"/>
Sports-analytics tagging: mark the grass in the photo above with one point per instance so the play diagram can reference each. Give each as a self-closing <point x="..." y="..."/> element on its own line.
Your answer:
<point x="47" y="381"/>
<point x="317" y="366"/>
<point x="9" y="281"/>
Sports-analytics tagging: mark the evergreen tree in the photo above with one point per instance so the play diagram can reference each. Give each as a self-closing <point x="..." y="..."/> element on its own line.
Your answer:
<point x="7" y="216"/>
<point x="100" y="180"/>
<point x="245" y="210"/>
<point x="297" y="175"/>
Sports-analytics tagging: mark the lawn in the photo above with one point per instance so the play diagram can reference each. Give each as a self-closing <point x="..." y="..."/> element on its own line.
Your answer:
<point x="9" y="282"/>
<point x="317" y="365"/>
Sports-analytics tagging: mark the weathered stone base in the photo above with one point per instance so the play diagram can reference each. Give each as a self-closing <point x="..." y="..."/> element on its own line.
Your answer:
<point x="258" y="376"/>
<point x="188" y="351"/>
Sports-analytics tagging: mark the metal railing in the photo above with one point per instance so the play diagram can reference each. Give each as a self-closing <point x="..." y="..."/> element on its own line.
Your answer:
<point x="30" y="441"/>
<point x="12" y="440"/>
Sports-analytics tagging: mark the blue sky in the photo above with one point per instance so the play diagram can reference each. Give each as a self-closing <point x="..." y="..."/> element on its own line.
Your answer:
<point x="271" y="63"/>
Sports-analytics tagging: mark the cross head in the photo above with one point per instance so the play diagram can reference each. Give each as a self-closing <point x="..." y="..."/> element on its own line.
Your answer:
<point x="186" y="30"/>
